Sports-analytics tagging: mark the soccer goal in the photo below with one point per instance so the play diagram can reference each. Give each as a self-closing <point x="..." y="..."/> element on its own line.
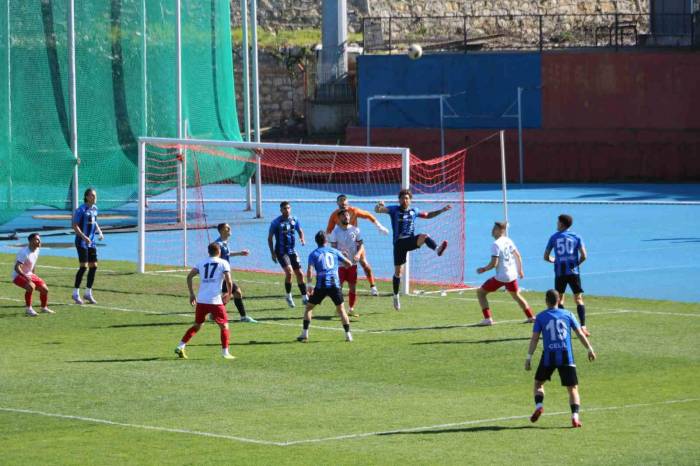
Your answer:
<point x="187" y="187"/>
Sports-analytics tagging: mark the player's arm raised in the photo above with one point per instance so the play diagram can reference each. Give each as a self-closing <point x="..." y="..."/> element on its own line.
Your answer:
<point x="519" y="263"/>
<point x="489" y="266"/>
<point x="380" y="208"/>
<point x="190" y="277"/>
<point x="581" y="336"/>
<point x="435" y="213"/>
<point x="531" y="350"/>
<point x="272" y="248"/>
<point x="368" y="216"/>
<point x="242" y="252"/>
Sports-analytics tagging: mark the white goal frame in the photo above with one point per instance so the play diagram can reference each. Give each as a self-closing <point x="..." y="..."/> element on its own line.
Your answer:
<point x="402" y="152"/>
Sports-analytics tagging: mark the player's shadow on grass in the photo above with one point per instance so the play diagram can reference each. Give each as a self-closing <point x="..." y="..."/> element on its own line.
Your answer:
<point x="120" y="360"/>
<point x="470" y="430"/>
<point x="472" y="342"/>
<point x="154" y="324"/>
<point x="247" y="343"/>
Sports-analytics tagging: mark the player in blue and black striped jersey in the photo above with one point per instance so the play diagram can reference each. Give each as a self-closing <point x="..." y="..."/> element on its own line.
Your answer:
<point x="85" y="226"/>
<point x="569" y="254"/>
<point x="325" y="261"/>
<point x="403" y="218"/>
<point x="556" y="325"/>
<point x="226" y="254"/>
<point x="283" y="230"/>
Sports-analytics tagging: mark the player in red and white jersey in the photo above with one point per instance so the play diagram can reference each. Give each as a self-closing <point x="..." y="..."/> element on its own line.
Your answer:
<point x="213" y="272"/>
<point x="23" y="275"/>
<point x="505" y="258"/>
<point x="346" y="238"/>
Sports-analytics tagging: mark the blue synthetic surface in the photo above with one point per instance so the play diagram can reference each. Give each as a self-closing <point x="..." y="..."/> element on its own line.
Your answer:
<point x="642" y="249"/>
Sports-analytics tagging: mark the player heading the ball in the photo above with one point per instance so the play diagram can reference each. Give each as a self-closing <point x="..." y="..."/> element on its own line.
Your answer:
<point x="284" y="229"/>
<point x="356" y="213"/>
<point x="403" y="218"/>
<point x="325" y="261"/>
<point x="346" y="238"/>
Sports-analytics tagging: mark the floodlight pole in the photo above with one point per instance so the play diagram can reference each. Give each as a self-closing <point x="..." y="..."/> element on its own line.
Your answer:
<point x="256" y="105"/>
<point x="520" y="135"/>
<point x="245" y="53"/>
<point x="141" y="262"/>
<point x="181" y="167"/>
<point x="73" y="100"/>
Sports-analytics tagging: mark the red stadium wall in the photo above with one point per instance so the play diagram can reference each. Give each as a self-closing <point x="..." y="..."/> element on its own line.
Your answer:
<point x="606" y="116"/>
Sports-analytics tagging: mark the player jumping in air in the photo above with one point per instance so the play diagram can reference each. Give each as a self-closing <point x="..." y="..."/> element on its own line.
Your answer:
<point x="348" y="240"/>
<point x="403" y="218"/>
<point x="356" y="213"/>
<point x="325" y="260"/>
<point x="23" y="275"/>
<point x="569" y="253"/>
<point x="85" y="226"/>
<point x="556" y="326"/>
<point x="505" y="258"/>
<point x="283" y="229"/>
<point x="222" y="241"/>
<point x="213" y="272"/>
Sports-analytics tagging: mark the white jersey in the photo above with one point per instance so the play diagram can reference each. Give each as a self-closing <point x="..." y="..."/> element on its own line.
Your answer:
<point x="211" y="272"/>
<point x="347" y="239"/>
<point x="507" y="268"/>
<point x="28" y="259"/>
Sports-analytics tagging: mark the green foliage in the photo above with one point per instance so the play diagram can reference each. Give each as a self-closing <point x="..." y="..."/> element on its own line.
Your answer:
<point x="287" y="38"/>
<point x="424" y="366"/>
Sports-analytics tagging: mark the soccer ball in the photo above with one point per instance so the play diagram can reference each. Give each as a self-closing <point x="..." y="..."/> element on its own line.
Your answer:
<point x="414" y="51"/>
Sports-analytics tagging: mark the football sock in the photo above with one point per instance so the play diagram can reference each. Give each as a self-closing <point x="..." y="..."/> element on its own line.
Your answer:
<point x="560" y="306"/>
<point x="239" y="305"/>
<point x="486" y="312"/>
<point x="539" y="401"/>
<point x="396" y="281"/>
<point x="581" y="311"/>
<point x="189" y="334"/>
<point x="302" y="288"/>
<point x="91" y="276"/>
<point x="528" y="313"/>
<point x="44" y="297"/>
<point x="346" y="327"/>
<point x="288" y="287"/>
<point x="306" y="324"/>
<point x="574" y="410"/>
<point x="430" y="242"/>
<point x="79" y="276"/>
<point x="181" y="345"/>
<point x="224" y="338"/>
<point x="28" y="298"/>
<point x="305" y="331"/>
<point x="352" y="297"/>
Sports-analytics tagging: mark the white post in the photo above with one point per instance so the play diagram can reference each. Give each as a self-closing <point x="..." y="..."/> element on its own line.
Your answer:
<point x="406" y="184"/>
<point x="256" y="104"/>
<point x="73" y="100"/>
<point x="520" y="135"/>
<point x="245" y="72"/>
<point x="141" y="263"/>
<point x="178" y="91"/>
<point x="503" y="177"/>
<point x="144" y="40"/>
<point x="9" y="109"/>
<point x="442" y="127"/>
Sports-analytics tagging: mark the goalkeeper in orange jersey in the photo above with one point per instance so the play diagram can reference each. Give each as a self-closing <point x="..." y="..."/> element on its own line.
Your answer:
<point x="356" y="213"/>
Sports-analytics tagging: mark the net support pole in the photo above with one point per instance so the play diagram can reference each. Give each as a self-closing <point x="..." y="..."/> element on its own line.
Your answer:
<point x="9" y="108"/>
<point x="503" y="178"/>
<point x="245" y="72"/>
<point x="141" y="220"/>
<point x="520" y="135"/>
<point x="256" y="104"/>
<point x="178" y="104"/>
<point x="406" y="184"/>
<point x="73" y="101"/>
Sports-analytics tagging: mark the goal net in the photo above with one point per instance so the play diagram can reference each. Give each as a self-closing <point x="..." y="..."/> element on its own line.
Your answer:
<point x="185" y="192"/>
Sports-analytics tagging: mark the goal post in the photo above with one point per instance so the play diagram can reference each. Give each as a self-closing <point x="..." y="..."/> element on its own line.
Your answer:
<point x="310" y="177"/>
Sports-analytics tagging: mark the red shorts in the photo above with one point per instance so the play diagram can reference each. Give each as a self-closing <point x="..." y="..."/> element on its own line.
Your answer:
<point x="216" y="310"/>
<point x="22" y="282"/>
<point x="348" y="274"/>
<point x="492" y="285"/>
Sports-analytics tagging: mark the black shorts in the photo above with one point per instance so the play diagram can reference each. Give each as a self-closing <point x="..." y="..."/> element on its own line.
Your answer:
<point x="86" y="254"/>
<point x="402" y="246"/>
<point x="285" y="260"/>
<point x="335" y="293"/>
<point x="567" y="374"/>
<point x="234" y="288"/>
<point x="574" y="281"/>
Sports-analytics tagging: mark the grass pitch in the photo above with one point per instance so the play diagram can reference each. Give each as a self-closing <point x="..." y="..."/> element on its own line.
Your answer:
<point x="99" y="384"/>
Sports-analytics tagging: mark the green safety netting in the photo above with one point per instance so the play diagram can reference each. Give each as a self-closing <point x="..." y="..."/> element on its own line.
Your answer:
<point x="126" y="87"/>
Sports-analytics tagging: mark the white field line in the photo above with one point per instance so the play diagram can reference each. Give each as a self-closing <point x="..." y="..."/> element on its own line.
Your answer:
<point x="329" y="439"/>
